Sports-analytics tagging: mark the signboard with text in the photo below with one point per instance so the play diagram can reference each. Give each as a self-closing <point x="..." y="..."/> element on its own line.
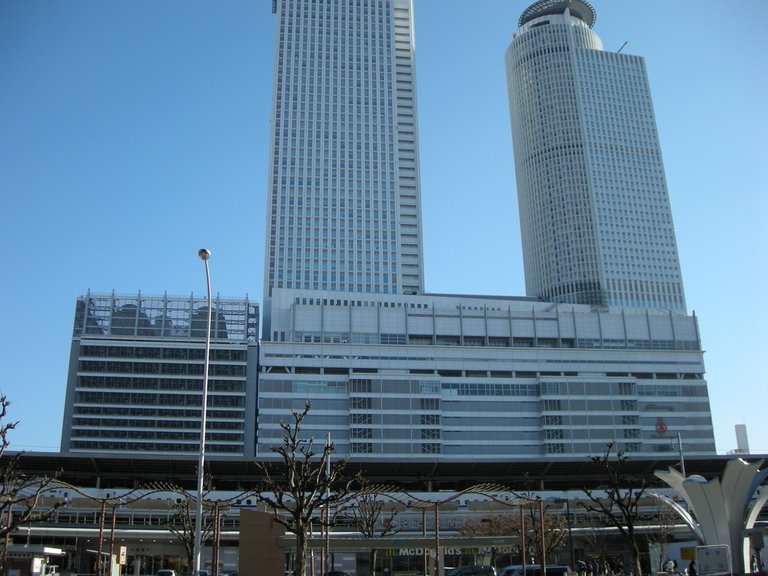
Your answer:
<point x="713" y="560"/>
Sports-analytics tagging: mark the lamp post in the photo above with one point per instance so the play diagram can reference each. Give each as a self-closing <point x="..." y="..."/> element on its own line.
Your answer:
<point x="99" y="559"/>
<point x="328" y="559"/>
<point x="541" y="536"/>
<point x="523" y="552"/>
<point x="570" y="531"/>
<point x="204" y="255"/>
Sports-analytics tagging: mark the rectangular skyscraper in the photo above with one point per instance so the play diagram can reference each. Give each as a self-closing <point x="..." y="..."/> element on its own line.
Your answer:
<point x="344" y="207"/>
<point x="594" y="207"/>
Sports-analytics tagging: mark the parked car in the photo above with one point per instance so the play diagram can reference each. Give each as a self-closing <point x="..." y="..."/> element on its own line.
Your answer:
<point x="472" y="571"/>
<point x="534" y="570"/>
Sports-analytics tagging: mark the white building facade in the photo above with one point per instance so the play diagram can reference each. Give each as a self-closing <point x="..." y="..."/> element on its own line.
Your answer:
<point x="482" y="378"/>
<point x="343" y="202"/>
<point x="594" y="207"/>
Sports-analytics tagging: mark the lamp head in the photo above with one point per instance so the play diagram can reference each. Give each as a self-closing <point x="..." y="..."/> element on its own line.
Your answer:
<point x="204" y="254"/>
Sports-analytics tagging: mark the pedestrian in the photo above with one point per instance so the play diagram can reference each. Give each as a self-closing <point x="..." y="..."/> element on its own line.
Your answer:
<point x="692" y="568"/>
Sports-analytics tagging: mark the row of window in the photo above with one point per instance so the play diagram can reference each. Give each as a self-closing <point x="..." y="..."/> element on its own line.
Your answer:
<point x="154" y="412"/>
<point x="370" y="433"/>
<point x="135" y="434"/>
<point x="179" y="384"/>
<point x="92" y="445"/>
<point x="216" y="355"/>
<point x="127" y="367"/>
<point x="492" y="341"/>
<point x="138" y="399"/>
<point x="144" y="423"/>
<point x="368" y="448"/>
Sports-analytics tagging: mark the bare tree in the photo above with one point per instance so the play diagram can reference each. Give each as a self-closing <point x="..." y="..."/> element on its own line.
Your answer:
<point x="301" y="483"/>
<point x="545" y="534"/>
<point x="618" y="501"/>
<point x="182" y="525"/>
<point x="373" y="521"/>
<point x="496" y="525"/>
<point x="598" y="545"/>
<point x="664" y="520"/>
<point x="182" y="521"/>
<point x="528" y="521"/>
<point x="21" y="495"/>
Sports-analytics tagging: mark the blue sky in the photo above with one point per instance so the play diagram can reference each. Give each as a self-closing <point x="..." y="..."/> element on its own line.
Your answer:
<point x="134" y="133"/>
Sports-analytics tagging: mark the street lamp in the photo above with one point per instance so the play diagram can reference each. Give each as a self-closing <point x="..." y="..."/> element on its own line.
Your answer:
<point x="204" y="255"/>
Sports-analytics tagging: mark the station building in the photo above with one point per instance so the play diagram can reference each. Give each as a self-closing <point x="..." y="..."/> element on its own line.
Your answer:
<point x="110" y="502"/>
<point x="452" y="377"/>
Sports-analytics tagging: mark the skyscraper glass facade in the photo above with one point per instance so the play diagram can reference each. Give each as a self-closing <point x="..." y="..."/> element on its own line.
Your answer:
<point x="594" y="207"/>
<point x="343" y="208"/>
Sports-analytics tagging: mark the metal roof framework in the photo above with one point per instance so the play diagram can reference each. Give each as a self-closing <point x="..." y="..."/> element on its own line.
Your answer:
<point x="123" y="471"/>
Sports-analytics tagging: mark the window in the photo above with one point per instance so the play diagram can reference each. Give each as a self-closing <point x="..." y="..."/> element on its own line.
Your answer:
<point x="430" y="404"/>
<point x="362" y="419"/>
<point x="360" y="385"/>
<point x="629" y="405"/>
<point x="361" y="403"/>
<point x="552" y="405"/>
<point x="553" y="420"/>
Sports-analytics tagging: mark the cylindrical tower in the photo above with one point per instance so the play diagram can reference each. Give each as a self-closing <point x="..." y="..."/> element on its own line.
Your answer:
<point x="594" y="211"/>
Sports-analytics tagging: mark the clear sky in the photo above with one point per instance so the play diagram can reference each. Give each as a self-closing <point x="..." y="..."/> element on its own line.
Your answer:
<point x="133" y="133"/>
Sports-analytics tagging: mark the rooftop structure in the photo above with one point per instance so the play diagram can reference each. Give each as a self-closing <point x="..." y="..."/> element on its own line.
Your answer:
<point x="577" y="8"/>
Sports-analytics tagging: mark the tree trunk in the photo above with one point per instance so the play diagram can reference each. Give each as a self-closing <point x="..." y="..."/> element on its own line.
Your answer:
<point x="300" y="569"/>
<point x="190" y="562"/>
<point x="372" y="560"/>
<point x="637" y="568"/>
